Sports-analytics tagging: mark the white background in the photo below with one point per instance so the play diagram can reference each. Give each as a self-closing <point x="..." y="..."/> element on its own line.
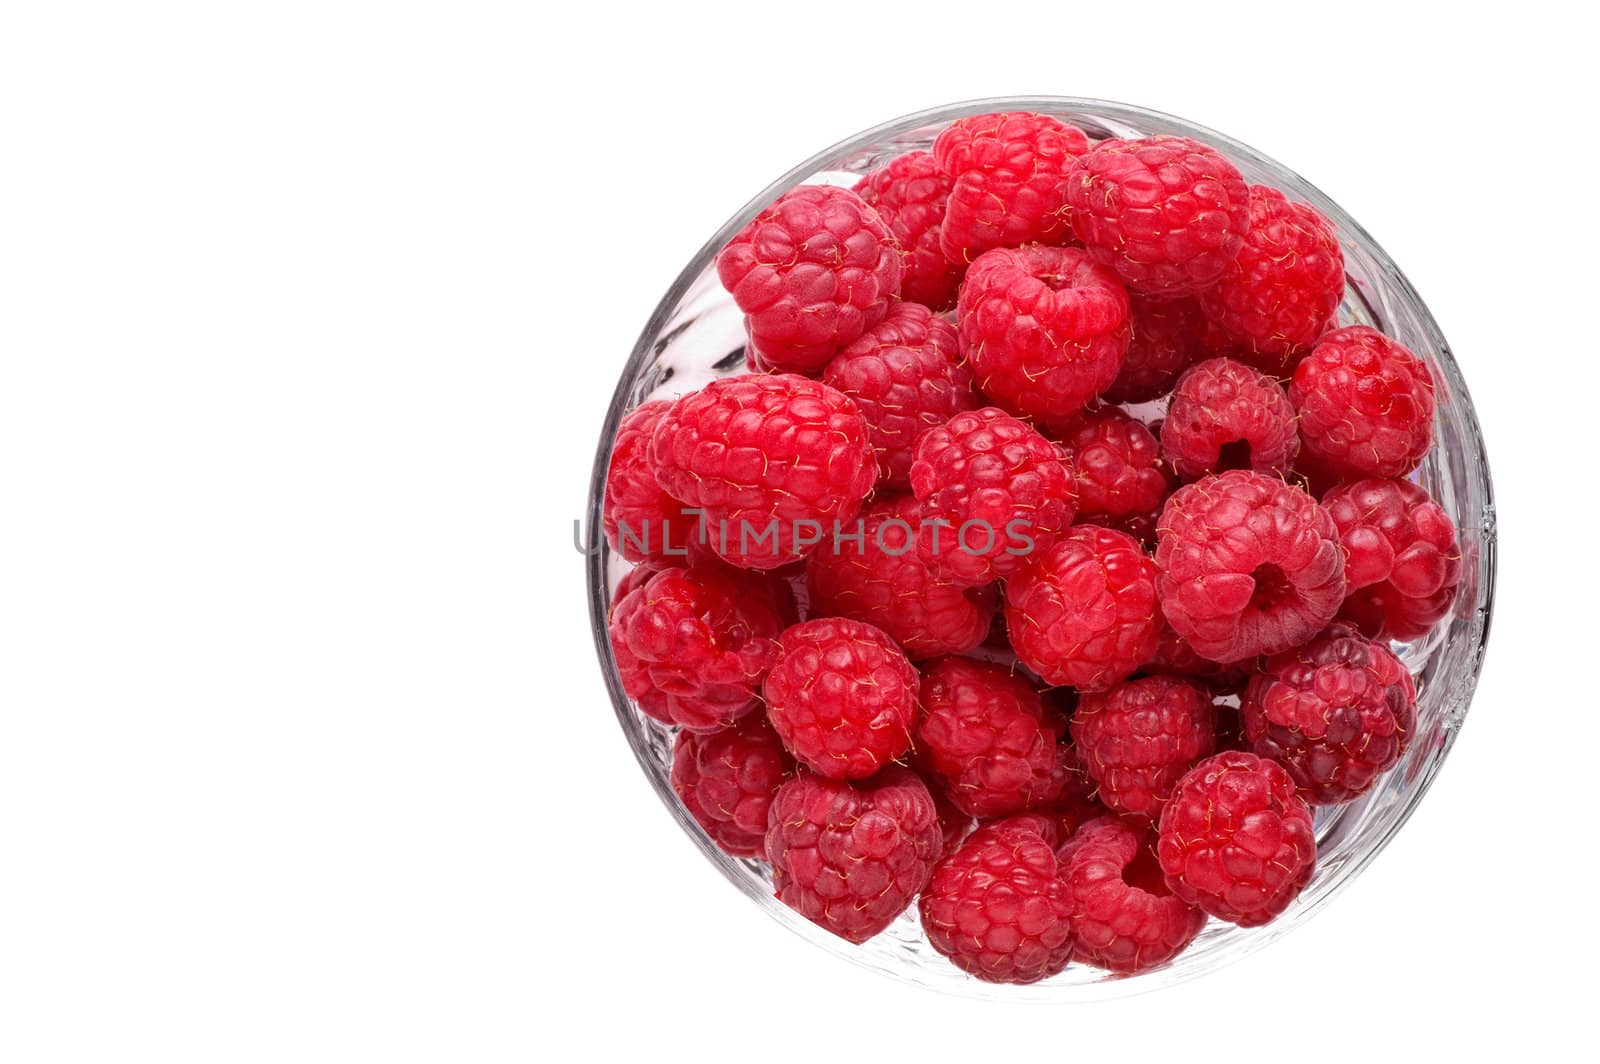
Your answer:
<point x="309" y="314"/>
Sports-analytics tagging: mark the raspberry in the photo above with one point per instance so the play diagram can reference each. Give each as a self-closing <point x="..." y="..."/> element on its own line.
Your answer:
<point x="1236" y="839"/>
<point x="1008" y="181"/>
<point x="842" y="697"/>
<point x="1115" y="464"/>
<point x="1139" y="738"/>
<point x="997" y="907"/>
<point x="1227" y="415"/>
<point x="882" y="580"/>
<point x="1083" y="612"/>
<point x="1174" y="657"/>
<point x="992" y="489"/>
<point x="726" y="780"/>
<point x="988" y="737"/>
<point x="1124" y="917"/>
<point x="909" y="194"/>
<point x="1044" y="329"/>
<point x="850" y="857"/>
<point x="1365" y="403"/>
<point x="693" y="644"/>
<point x="811" y="272"/>
<point x="1249" y="565"/>
<point x="642" y="522"/>
<point x="1402" y="563"/>
<point x="1337" y="713"/>
<point x="905" y="375"/>
<point x="771" y="459"/>
<point x="1165" y="338"/>
<point x="1284" y="287"/>
<point x="953" y="823"/>
<point x="1167" y="213"/>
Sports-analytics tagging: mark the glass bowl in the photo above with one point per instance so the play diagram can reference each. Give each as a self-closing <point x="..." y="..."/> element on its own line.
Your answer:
<point x="697" y="334"/>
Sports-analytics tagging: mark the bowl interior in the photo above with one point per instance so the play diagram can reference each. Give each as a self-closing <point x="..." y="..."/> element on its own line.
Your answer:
<point x="696" y="334"/>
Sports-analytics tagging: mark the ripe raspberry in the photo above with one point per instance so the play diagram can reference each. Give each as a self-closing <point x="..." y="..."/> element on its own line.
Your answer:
<point x="642" y="522"/>
<point x="1174" y="657"/>
<point x="1115" y="463"/>
<point x="1283" y="289"/>
<point x="1138" y="739"/>
<point x="1365" y="403"/>
<point x="1402" y="563"/>
<point x="909" y="194"/>
<point x="882" y="580"/>
<point x="726" y="780"/>
<point x="772" y="459"/>
<point x="992" y="490"/>
<point x="1008" y="174"/>
<point x="906" y="376"/>
<point x="693" y="644"/>
<point x="842" y="697"/>
<point x="1165" y="338"/>
<point x="1167" y="213"/>
<point x="1227" y="415"/>
<point x="1124" y="917"/>
<point x="1044" y="329"/>
<point x="1337" y="713"/>
<point x="954" y="825"/>
<point x="1236" y="839"/>
<point x="988" y="738"/>
<point x="1083" y="612"/>
<point x="811" y="272"/>
<point x="1249" y="565"/>
<point x="997" y="906"/>
<point x="850" y="857"/>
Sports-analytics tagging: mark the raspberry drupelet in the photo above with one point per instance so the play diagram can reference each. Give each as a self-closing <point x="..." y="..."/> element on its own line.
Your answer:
<point x="812" y="272"/>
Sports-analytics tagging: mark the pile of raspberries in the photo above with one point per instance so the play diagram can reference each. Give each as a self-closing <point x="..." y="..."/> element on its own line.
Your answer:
<point x="941" y="620"/>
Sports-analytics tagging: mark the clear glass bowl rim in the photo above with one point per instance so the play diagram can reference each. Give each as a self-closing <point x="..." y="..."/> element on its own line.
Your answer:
<point x="597" y="552"/>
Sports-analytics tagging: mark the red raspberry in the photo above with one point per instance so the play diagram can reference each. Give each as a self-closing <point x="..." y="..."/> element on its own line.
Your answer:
<point x="642" y="522"/>
<point x="1236" y="839"/>
<point x="693" y="644"/>
<point x="1124" y="917"/>
<point x="1139" y="738"/>
<point x="1284" y="287"/>
<point x="772" y="459"/>
<point x="1043" y="328"/>
<point x="1227" y="415"/>
<point x="992" y="490"/>
<point x="1167" y="213"/>
<point x="726" y="780"/>
<point x="906" y="376"/>
<point x="1008" y="174"/>
<point x="882" y="580"/>
<point x="1249" y="565"/>
<point x="1115" y="464"/>
<point x="1337" y="713"/>
<point x="1083" y="612"/>
<point x="850" y="857"/>
<point x="997" y="906"/>
<point x="811" y="272"/>
<point x="842" y="696"/>
<point x="910" y="193"/>
<point x="1174" y="657"/>
<point x="1165" y="338"/>
<point x="1402" y="563"/>
<point x="953" y="823"/>
<point x="1365" y="403"/>
<point x="989" y="738"/>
